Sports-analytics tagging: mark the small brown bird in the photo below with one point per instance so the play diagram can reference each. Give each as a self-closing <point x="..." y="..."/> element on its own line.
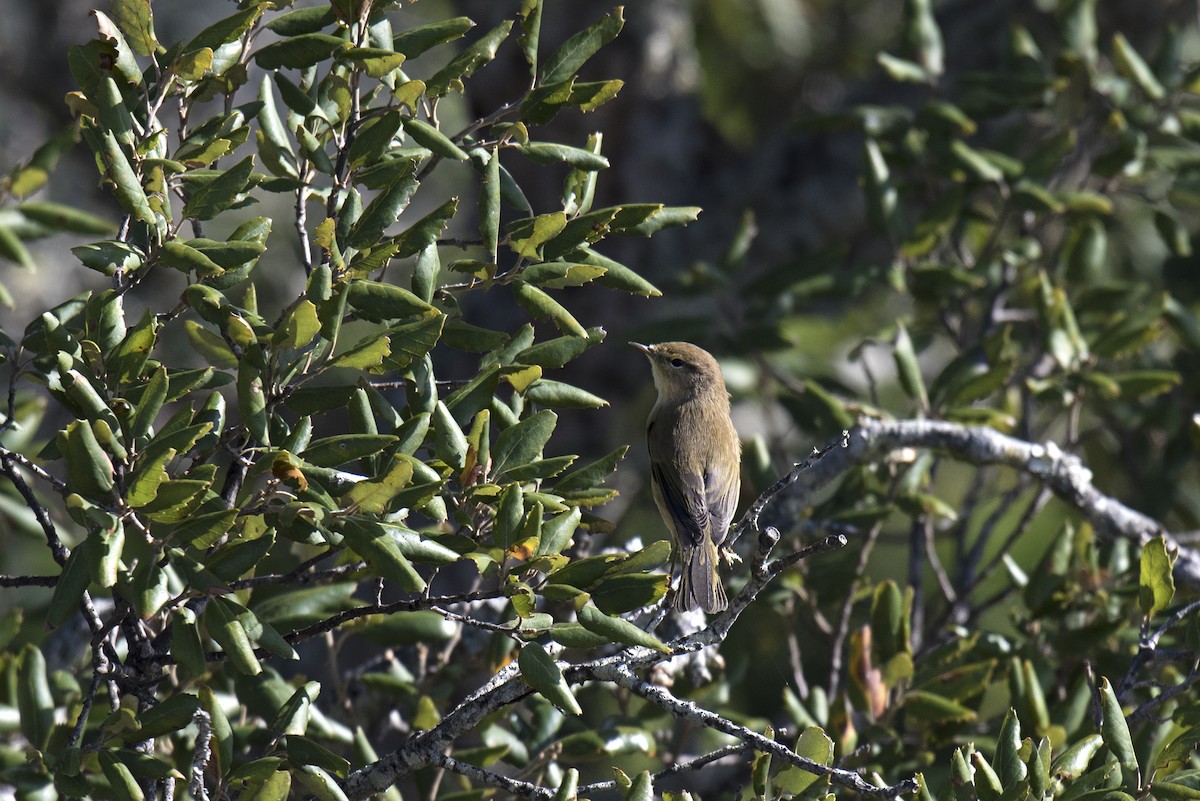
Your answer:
<point x="694" y="465"/>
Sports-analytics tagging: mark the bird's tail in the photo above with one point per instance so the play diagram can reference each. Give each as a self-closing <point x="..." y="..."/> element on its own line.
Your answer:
<point x="699" y="584"/>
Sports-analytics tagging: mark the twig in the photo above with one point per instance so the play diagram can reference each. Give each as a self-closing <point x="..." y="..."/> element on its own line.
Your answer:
<point x="674" y="768"/>
<point x="623" y="676"/>
<point x="492" y="779"/>
<point x="201" y="755"/>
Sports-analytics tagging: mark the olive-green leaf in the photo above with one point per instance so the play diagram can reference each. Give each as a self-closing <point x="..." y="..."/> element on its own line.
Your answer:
<point x="562" y="396"/>
<point x="378" y="546"/>
<point x="415" y="41"/>
<point x="338" y="450"/>
<point x="299" y="51"/>
<point x="34" y="701"/>
<point x="72" y="583"/>
<point x="213" y="197"/>
<point x="539" y="304"/>
<point x="121" y="781"/>
<point x="60" y="217"/>
<point x="130" y="193"/>
<point x="467" y="62"/>
<point x="520" y="444"/>
<point x="572" y="55"/>
<point x="383" y="209"/>
<point x="618" y="630"/>
<point x="136" y="21"/>
<point x="430" y="137"/>
<point x="542" y="673"/>
<point x="557" y="531"/>
<point x="222" y="623"/>
<point x="378" y="302"/>
<point x="551" y="152"/>
<point x="1114" y="729"/>
<point x="1157" y="582"/>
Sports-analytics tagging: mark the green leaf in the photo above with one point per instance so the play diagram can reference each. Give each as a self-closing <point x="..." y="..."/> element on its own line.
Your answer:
<point x="590" y="475"/>
<point x="60" y="217"/>
<point x="130" y="193"/>
<point x="136" y="21"/>
<point x="542" y="673"/>
<point x="557" y="353"/>
<point x="374" y="139"/>
<point x="933" y="708"/>
<point x="299" y="52"/>
<point x="192" y="66"/>
<point x="813" y="743"/>
<point x="380" y="302"/>
<point x="616" y="275"/>
<point x="449" y="441"/>
<point x="562" y="396"/>
<point x="222" y="623"/>
<point x="430" y="137"/>
<point x="212" y="198"/>
<point x="378" y="546"/>
<point x="304" y="751"/>
<point x="572" y="55"/>
<point x="425" y="231"/>
<point x="183" y="257"/>
<point x="522" y="443"/>
<point x="376" y="61"/>
<point x="293" y="717"/>
<point x="1157" y="582"/>
<point x="468" y="61"/>
<point x="1114" y="729"/>
<point x="109" y="257"/>
<point x="72" y="584"/>
<point x="121" y="781"/>
<point x="560" y="274"/>
<point x="541" y="305"/>
<point x="384" y="208"/>
<point x="224" y="31"/>
<point x="557" y="531"/>
<point x="299" y="327"/>
<point x="415" y="41"/>
<point x="550" y="152"/>
<point x="1130" y="64"/>
<point x="618" y="630"/>
<point x="34" y="701"/>
<point x="489" y="204"/>
<point x="527" y="237"/>
<point x="369" y="354"/>
<point x="338" y="450"/>
<point x="89" y="468"/>
<point x="174" y="713"/>
<point x="303" y="20"/>
<point x="616" y="594"/>
<point x="908" y="368"/>
<point x="318" y="782"/>
<point x="204" y="530"/>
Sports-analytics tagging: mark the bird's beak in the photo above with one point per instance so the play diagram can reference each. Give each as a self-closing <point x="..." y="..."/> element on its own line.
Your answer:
<point x="643" y="348"/>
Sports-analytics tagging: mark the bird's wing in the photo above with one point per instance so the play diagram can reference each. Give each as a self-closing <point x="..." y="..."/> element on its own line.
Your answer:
<point x="721" y="490"/>
<point x="683" y="499"/>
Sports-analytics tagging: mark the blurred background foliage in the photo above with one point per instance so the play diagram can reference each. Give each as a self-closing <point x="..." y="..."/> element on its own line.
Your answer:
<point x="978" y="212"/>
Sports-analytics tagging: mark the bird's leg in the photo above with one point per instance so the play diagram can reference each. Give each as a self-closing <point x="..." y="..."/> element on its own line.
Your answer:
<point x="672" y="587"/>
<point x="727" y="556"/>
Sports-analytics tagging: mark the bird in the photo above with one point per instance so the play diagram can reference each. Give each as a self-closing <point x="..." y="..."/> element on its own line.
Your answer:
<point x="695" y="457"/>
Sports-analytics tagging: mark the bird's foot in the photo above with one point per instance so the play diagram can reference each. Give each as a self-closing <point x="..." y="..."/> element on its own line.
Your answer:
<point x="728" y="556"/>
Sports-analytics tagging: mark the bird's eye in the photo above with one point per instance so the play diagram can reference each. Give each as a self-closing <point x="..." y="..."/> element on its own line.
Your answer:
<point x="677" y="362"/>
